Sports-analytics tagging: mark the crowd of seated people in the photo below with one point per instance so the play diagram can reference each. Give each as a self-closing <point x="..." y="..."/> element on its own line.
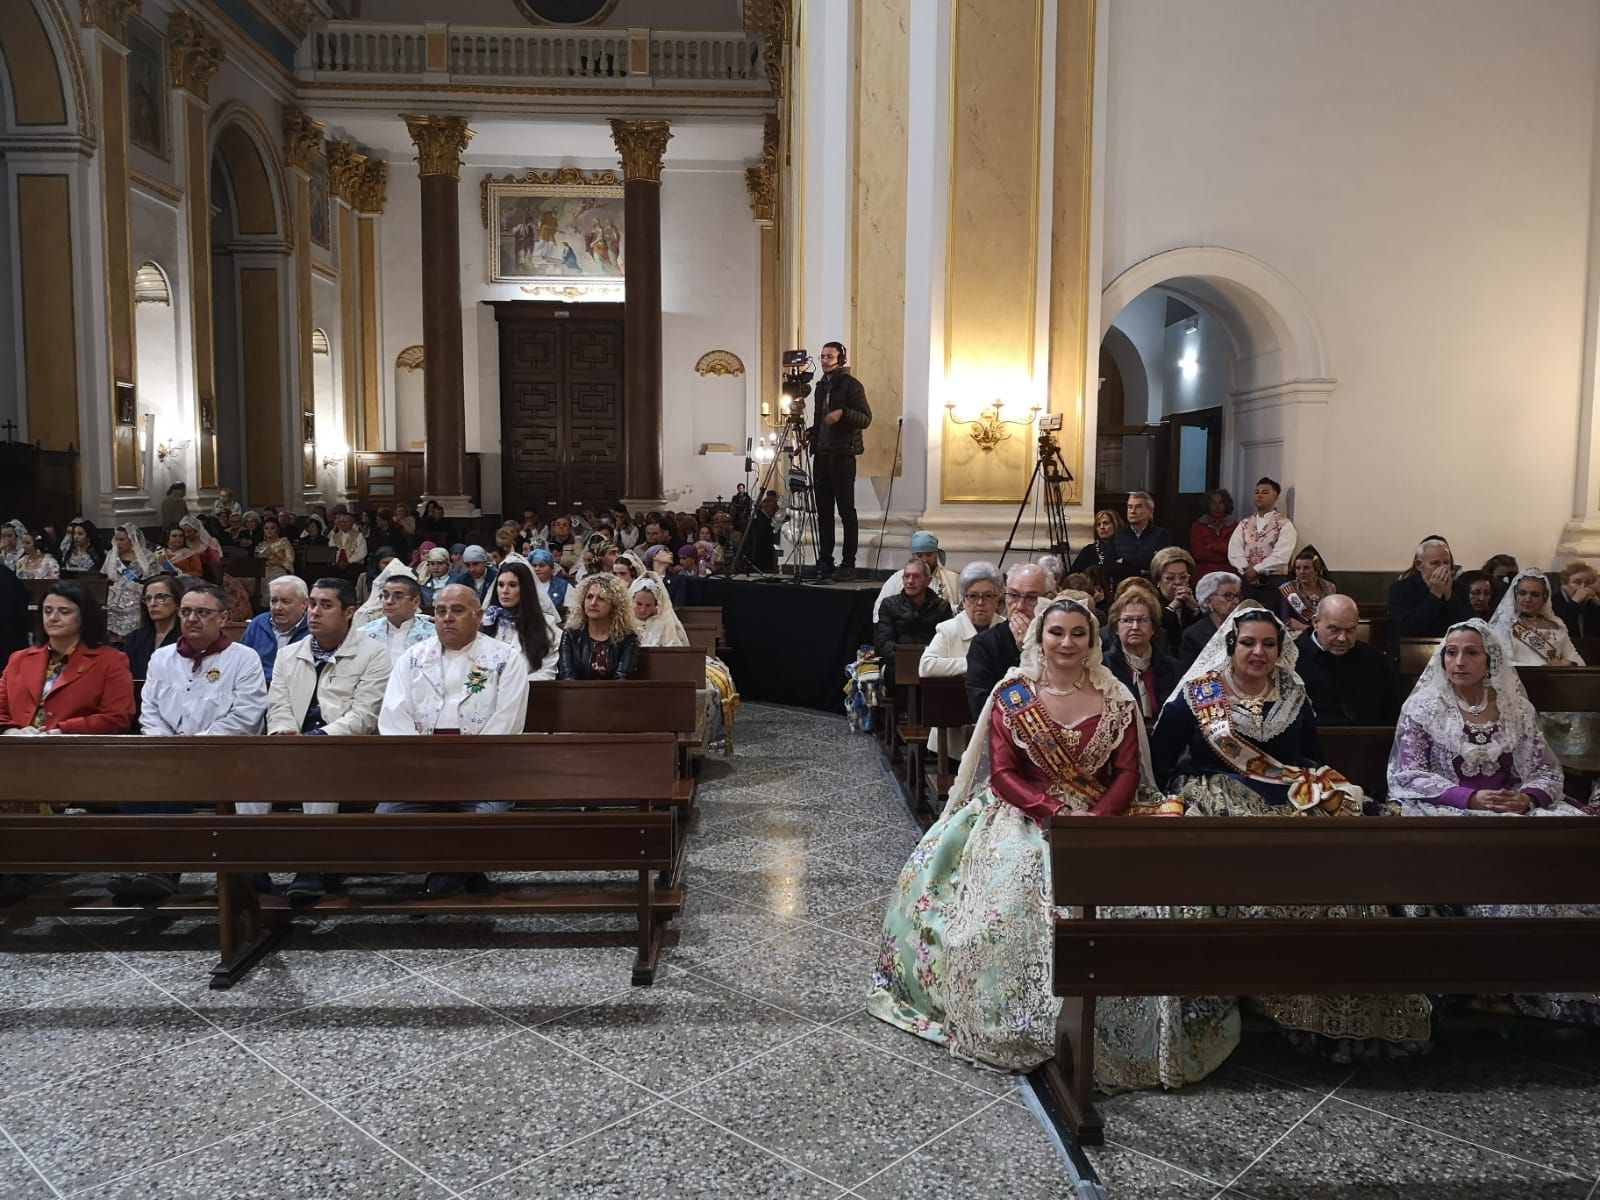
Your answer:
<point x="1205" y="702"/>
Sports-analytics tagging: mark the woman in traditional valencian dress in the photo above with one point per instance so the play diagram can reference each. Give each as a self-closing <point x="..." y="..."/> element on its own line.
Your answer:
<point x="1238" y="738"/>
<point x="966" y="955"/>
<point x="1469" y="745"/>
<point x="128" y="564"/>
<point x="1527" y="623"/>
<point x="1305" y="590"/>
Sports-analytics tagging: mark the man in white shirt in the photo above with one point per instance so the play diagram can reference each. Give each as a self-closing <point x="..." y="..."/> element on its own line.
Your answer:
<point x="461" y="682"/>
<point x="401" y="626"/>
<point x="1262" y="546"/>
<point x="328" y="685"/>
<point x="203" y="684"/>
<point x="350" y="544"/>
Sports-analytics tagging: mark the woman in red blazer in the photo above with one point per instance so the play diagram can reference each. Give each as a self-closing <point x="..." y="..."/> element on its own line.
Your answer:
<point x="74" y="683"/>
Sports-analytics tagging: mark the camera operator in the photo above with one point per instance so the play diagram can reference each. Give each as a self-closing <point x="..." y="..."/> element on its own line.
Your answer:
<point x="840" y="416"/>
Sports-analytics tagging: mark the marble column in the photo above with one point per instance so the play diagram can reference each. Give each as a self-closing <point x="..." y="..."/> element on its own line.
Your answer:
<point x="371" y="190"/>
<point x="345" y="170"/>
<point x="641" y="145"/>
<point x="109" y="21"/>
<point x="302" y="146"/>
<point x="194" y="55"/>
<point x="439" y="142"/>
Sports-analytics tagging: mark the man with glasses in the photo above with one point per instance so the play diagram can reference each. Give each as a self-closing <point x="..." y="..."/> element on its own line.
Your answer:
<point x="401" y="626"/>
<point x="1347" y="681"/>
<point x="203" y="684"/>
<point x="996" y="650"/>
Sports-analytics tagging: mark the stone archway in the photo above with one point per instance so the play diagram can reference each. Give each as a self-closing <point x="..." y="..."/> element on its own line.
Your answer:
<point x="256" y="414"/>
<point x="1275" y="421"/>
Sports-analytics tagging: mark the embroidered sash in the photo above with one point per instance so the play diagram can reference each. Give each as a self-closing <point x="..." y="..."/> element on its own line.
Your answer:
<point x="1259" y="543"/>
<point x="1038" y="736"/>
<point x="1535" y="640"/>
<point x="1319" y="787"/>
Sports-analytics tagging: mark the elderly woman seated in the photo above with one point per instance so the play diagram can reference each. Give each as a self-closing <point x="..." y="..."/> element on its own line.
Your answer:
<point x="1218" y="594"/>
<point x="979" y="589"/>
<point x="1304" y="590"/>
<point x="1527" y="623"/>
<point x="1172" y="571"/>
<point x="1136" y="653"/>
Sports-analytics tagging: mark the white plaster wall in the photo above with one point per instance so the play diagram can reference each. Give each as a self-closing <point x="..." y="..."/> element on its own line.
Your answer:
<point x="1420" y="171"/>
<point x="710" y="300"/>
<point x="1143" y="321"/>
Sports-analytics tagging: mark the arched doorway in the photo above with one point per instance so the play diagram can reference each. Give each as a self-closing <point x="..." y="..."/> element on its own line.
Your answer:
<point x="1224" y="378"/>
<point x="256" y="415"/>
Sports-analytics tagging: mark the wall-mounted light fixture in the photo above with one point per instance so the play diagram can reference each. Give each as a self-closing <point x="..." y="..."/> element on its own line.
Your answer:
<point x="989" y="429"/>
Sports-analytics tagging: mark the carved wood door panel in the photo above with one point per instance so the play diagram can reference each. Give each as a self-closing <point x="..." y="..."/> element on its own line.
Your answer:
<point x="561" y="394"/>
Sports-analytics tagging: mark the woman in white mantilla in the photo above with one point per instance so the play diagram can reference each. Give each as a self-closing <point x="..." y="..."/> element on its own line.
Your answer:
<point x="966" y="956"/>
<point x="128" y="563"/>
<point x="1527" y="623"/>
<point x="1238" y="738"/>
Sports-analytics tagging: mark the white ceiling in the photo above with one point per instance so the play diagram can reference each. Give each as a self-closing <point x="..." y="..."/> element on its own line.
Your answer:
<point x="502" y="140"/>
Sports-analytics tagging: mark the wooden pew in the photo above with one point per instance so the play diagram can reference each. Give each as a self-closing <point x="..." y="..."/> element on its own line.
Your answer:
<point x="1278" y="861"/>
<point x="1562" y="689"/>
<point x="702" y="616"/>
<point x="673" y="664"/>
<point x="97" y="586"/>
<point x="945" y="709"/>
<point x="1588" y="649"/>
<point x="586" y="803"/>
<point x="1360" y="753"/>
<point x="1568" y="701"/>
<point x="906" y="735"/>
<point x="1413" y="656"/>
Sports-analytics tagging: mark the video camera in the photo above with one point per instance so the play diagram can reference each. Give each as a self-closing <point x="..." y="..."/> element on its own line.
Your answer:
<point x="797" y="377"/>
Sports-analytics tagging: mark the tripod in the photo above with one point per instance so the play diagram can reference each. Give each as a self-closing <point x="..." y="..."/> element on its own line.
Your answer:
<point x="1050" y="469"/>
<point x="793" y="456"/>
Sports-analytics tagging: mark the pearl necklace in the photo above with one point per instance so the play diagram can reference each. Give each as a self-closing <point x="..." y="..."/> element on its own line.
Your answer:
<point x="1472" y="710"/>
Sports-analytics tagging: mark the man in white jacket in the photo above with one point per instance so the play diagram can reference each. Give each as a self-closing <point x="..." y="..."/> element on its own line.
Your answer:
<point x="460" y="682"/>
<point x="203" y="684"/>
<point x="326" y="685"/>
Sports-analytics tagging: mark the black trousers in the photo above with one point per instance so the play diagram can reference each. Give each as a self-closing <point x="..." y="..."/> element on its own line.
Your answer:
<point x="834" y="483"/>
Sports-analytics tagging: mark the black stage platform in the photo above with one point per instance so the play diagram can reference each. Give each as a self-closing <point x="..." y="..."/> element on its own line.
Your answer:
<point x="787" y="643"/>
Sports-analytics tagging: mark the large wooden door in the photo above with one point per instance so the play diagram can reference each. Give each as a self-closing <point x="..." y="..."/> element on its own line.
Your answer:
<point x="561" y="397"/>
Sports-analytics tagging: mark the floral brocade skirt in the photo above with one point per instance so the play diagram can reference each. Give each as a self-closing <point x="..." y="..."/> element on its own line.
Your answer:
<point x="966" y="961"/>
<point x="1402" y="1023"/>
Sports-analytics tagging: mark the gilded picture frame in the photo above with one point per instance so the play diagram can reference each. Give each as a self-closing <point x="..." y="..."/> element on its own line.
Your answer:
<point x="560" y="232"/>
<point x="148" y="113"/>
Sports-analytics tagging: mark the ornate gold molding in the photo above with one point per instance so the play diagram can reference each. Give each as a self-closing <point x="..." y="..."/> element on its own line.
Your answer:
<point x="110" y="17"/>
<point x="302" y="138"/>
<point x="641" y="144"/>
<point x="372" y="186"/>
<point x="562" y="176"/>
<point x="155" y="187"/>
<point x="762" y="180"/>
<point x="345" y="168"/>
<point x="719" y="362"/>
<point x="410" y="359"/>
<point x="439" y="142"/>
<point x="769" y="20"/>
<point x="196" y="54"/>
<point x="294" y="15"/>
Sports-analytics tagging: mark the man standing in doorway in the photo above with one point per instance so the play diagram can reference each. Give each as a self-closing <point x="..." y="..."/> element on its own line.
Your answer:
<point x="1262" y="546"/>
<point x="841" y="414"/>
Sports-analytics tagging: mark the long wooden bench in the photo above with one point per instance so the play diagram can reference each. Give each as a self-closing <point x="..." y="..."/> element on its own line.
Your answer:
<point x="673" y="663"/>
<point x="587" y="803"/>
<point x="626" y="706"/>
<point x="1278" y="861"/>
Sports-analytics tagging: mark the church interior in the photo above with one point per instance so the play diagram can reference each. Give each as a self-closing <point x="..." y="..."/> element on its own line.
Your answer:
<point x="375" y="373"/>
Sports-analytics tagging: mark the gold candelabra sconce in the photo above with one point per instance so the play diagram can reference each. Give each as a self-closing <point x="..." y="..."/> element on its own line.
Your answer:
<point x="989" y="428"/>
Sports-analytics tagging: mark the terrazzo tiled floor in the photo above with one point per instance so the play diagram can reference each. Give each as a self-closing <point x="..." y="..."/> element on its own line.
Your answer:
<point x="510" y="1058"/>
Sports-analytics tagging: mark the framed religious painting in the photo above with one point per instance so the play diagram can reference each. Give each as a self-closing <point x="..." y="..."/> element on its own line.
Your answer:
<point x="561" y="234"/>
<point x="321" y="220"/>
<point x="147" y="89"/>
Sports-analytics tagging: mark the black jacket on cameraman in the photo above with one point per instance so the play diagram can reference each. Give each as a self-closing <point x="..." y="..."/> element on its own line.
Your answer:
<point x="577" y="652"/>
<point x="840" y="390"/>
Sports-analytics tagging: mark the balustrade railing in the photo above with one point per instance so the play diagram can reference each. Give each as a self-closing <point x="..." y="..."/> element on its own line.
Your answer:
<point x="646" y="58"/>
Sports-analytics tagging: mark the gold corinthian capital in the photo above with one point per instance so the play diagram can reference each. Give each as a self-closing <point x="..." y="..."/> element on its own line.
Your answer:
<point x="439" y="141"/>
<point x="641" y="144"/>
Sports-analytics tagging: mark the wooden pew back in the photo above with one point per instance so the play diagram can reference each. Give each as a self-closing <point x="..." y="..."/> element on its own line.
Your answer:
<point x="673" y="663"/>
<point x="1562" y="689"/>
<point x="607" y="706"/>
<point x="1360" y="753"/>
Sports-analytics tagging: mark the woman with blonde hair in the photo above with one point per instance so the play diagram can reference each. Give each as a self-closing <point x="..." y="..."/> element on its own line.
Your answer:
<point x="1099" y="553"/>
<point x="601" y="640"/>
